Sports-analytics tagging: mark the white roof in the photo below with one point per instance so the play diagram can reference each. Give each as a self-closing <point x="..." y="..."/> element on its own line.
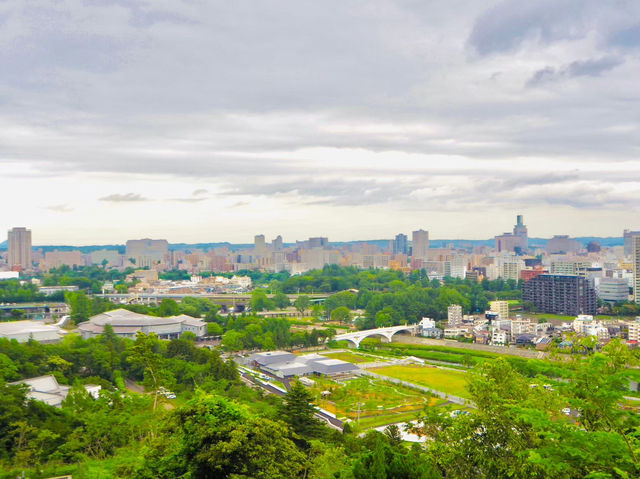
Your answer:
<point x="21" y="327"/>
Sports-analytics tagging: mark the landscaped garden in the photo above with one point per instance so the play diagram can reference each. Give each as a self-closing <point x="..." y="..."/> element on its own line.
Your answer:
<point x="445" y="380"/>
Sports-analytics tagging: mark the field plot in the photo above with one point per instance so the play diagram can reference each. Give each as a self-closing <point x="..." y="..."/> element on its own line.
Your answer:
<point x="354" y="357"/>
<point x="379" y="402"/>
<point x="445" y="380"/>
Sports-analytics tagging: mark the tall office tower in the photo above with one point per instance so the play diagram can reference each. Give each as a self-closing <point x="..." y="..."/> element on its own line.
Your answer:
<point x="401" y="244"/>
<point x="277" y="243"/>
<point x="520" y="230"/>
<point x="420" y="244"/>
<point x="628" y="247"/>
<point x="20" y="248"/>
<point x="635" y="246"/>
<point x="260" y="245"/>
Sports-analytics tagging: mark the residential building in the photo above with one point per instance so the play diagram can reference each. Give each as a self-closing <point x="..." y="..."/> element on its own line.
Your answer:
<point x="260" y="245"/>
<point x="420" y="244"/>
<point x="19" y="240"/>
<point x="628" y="243"/>
<point x="318" y="242"/>
<point x="55" y="259"/>
<point x="635" y="244"/>
<point x="500" y="307"/>
<point x="559" y="294"/>
<point x="454" y="315"/>
<point x="277" y="243"/>
<point x="634" y="330"/>
<point x="500" y="336"/>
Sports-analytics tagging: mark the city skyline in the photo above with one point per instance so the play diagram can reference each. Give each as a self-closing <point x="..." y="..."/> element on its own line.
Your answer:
<point x="216" y="120"/>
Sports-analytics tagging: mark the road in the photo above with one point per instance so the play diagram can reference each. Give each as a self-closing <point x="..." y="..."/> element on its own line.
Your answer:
<point x="523" y="353"/>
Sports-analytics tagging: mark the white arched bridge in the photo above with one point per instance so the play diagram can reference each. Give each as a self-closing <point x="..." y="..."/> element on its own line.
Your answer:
<point x="387" y="333"/>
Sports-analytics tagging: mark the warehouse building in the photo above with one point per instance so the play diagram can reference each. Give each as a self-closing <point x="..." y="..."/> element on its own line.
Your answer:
<point x="286" y="365"/>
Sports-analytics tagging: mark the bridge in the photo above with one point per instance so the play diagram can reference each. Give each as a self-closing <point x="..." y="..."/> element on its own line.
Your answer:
<point x="387" y="333"/>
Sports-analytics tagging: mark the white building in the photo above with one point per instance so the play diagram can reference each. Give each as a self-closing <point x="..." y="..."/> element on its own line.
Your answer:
<point x="500" y="336"/>
<point x="22" y="331"/>
<point x="126" y="323"/>
<point x="47" y="390"/>
<point x="500" y="307"/>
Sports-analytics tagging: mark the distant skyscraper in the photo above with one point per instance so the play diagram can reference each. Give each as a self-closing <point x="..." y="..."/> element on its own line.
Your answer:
<point x="260" y="245"/>
<point x="20" y="248"/>
<point x="277" y="243"/>
<point x="420" y="244"/>
<point x="635" y="246"/>
<point x="147" y="252"/>
<point x="401" y="244"/>
<point x="520" y="230"/>
<point x="319" y="242"/>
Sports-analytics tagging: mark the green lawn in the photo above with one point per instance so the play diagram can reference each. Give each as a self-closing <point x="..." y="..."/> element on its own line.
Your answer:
<point x="353" y="357"/>
<point x="445" y="380"/>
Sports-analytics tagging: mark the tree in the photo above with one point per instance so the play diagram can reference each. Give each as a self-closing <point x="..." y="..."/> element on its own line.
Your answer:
<point x="341" y="314"/>
<point x="260" y="301"/>
<point x="168" y="307"/>
<point x="144" y="355"/>
<point x="214" y="329"/>
<point x="210" y="437"/>
<point x="281" y="300"/>
<point x="80" y="306"/>
<point x="302" y="303"/>
<point x="298" y="411"/>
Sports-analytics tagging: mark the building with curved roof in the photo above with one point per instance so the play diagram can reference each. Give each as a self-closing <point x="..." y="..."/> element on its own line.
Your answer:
<point x="126" y="323"/>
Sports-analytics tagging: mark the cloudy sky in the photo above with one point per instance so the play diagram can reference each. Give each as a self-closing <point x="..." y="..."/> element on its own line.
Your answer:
<point x="203" y="120"/>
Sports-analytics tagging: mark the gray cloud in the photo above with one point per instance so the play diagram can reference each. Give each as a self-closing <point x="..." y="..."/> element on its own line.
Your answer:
<point x="123" y="198"/>
<point x="63" y="208"/>
<point x="591" y="68"/>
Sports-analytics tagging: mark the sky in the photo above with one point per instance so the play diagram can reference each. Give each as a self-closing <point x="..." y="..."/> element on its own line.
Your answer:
<point x="206" y="120"/>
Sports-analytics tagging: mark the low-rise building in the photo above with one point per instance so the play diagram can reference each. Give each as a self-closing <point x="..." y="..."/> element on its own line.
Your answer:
<point x="47" y="390"/>
<point x="126" y="323"/>
<point x="22" y="331"/>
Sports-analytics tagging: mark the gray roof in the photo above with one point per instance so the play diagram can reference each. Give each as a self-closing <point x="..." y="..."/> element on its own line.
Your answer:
<point x="272" y="357"/>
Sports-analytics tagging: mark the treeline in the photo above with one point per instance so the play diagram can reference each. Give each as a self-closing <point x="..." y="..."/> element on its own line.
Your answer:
<point x="221" y="428"/>
<point x="12" y="291"/>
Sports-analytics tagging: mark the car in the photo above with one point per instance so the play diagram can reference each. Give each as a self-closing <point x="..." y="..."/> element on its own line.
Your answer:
<point x="170" y="396"/>
<point x="566" y="411"/>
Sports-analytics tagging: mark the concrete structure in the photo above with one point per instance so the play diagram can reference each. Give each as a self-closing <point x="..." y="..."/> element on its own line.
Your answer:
<point x="55" y="259"/>
<point x="19" y="248"/>
<point x="516" y="242"/>
<point x="22" y="331"/>
<point x="286" y="365"/>
<point x="500" y="307"/>
<point x="126" y="323"/>
<point x="557" y="294"/>
<point x="271" y="357"/>
<point x="628" y="243"/>
<point x="634" y="330"/>
<point x="47" y="390"/>
<point x="420" y="244"/>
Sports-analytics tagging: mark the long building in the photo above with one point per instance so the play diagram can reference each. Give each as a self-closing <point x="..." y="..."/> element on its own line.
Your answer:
<point x="560" y="294"/>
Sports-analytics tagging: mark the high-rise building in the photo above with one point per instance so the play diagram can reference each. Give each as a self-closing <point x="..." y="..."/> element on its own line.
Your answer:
<point x="147" y="252"/>
<point x="563" y="244"/>
<point x="560" y="294"/>
<point x="401" y="244"/>
<point x="635" y="246"/>
<point x="319" y="242"/>
<point x="277" y="243"/>
<point x="419" y="244"/>
<point x="520" y="230"/>
<point x="19" y="248"/>
<point x="628" y="247"/>
<point x="260" y="245"/>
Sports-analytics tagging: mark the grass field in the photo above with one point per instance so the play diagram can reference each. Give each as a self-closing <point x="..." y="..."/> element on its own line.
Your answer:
<point x="353" y="357"/>
<point x="445" y="380"/>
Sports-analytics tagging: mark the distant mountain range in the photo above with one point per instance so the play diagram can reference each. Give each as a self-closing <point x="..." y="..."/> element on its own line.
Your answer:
<point x="440" y="243"/>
